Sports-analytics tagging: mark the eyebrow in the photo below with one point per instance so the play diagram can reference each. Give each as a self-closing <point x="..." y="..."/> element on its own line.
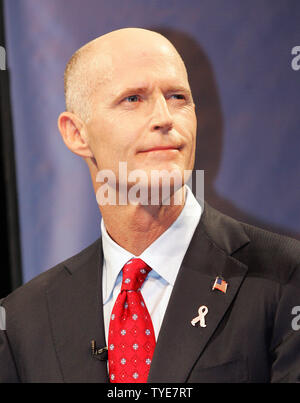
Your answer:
<point x="131" y="90"/>
<point x="142" y="89"/>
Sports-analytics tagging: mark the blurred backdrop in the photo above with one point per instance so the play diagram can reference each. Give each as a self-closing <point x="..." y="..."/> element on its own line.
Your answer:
<point x="239" y="58"/>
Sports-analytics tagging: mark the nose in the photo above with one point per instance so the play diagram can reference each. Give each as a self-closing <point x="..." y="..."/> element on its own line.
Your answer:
<point x="162" y="120"/>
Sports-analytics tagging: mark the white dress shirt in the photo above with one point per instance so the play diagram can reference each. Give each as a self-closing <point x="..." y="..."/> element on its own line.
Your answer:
<point x="164" y="256"/>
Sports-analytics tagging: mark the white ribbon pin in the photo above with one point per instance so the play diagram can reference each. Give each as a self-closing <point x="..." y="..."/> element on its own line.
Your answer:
<point x="202" y="311"/>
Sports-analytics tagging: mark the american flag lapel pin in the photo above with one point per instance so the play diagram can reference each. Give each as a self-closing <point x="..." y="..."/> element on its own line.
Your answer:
<point x="220" y="285"/>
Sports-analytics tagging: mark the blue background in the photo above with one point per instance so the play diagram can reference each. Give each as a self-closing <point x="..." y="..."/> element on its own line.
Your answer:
<point x="239" y="57"/>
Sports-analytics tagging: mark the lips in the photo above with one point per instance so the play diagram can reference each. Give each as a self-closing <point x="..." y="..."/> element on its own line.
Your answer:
<point x="160" y="148"/>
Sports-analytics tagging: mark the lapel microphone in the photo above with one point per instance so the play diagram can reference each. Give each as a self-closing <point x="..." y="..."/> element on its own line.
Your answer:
<point x="99" y="353"/>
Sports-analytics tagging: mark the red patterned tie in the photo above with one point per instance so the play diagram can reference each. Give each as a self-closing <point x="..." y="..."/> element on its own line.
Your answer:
<point x="131" y="339"/>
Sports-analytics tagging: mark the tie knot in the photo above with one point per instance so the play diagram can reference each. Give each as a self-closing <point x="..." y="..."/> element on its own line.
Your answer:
<point x="134" y="274"/>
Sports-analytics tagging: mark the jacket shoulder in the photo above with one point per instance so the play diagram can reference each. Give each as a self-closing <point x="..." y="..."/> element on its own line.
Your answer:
<point x="271" y="252"/>
<point x="267" y="254"/>
<point x="31" y="292"/>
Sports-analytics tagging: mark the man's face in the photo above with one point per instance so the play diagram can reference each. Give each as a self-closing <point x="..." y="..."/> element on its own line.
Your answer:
<point x="143" y="113"/>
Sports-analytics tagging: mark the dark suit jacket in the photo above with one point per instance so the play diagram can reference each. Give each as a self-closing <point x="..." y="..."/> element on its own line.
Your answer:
<point x="248" y="338"/>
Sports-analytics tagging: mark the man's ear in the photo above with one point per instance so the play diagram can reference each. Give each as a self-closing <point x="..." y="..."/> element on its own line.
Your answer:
<point x="73" y="132"/>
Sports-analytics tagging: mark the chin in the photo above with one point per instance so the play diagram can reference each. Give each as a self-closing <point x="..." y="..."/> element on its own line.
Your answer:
<point x="157" y="186"/>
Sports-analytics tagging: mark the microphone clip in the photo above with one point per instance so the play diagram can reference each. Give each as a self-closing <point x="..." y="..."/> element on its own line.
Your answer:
<point x="99" y="353"/>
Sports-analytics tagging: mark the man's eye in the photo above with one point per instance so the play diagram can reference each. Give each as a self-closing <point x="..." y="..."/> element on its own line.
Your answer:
<point x="132" y="98"/>
<point x="178" y="96"/>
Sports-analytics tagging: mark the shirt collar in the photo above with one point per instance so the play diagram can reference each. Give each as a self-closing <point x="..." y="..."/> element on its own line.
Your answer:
<point x="164" y="255"/>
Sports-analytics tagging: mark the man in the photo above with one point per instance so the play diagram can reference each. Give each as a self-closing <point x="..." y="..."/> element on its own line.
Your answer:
<point x="210" y="299"/>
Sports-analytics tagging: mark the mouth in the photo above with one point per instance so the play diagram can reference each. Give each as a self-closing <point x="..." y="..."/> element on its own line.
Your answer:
<point x="161" y="148"/>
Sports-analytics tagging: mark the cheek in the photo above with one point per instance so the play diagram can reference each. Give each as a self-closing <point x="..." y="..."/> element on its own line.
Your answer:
<point x="192" y="121"/>
<point x="189" y="126"/>
<point x="187" y="122"/>
<point x="109" y="144"/>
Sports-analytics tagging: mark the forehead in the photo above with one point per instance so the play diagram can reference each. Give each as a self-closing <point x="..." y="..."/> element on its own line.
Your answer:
<point x="138" y="66"/>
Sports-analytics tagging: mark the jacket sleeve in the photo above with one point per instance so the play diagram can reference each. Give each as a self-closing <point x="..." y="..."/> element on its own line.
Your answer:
<point x="286" y="333"/>
<point x="8" y="371"/>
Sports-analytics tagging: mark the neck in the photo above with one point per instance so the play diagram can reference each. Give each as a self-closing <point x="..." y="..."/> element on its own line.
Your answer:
<point x="135" y="227"/>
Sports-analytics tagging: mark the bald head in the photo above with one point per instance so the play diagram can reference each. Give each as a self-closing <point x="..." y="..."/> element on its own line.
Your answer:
<point x="94" y="63"/>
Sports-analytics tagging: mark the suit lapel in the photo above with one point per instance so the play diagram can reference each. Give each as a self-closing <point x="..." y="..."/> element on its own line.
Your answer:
<point x="180" y="344"/>
<point x="76" y="316"/>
